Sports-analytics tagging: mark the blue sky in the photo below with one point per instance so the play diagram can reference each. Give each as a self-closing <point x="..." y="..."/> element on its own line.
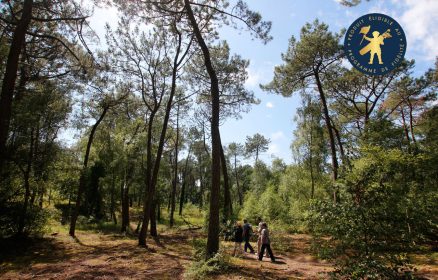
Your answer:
<point x="273" y="117"/>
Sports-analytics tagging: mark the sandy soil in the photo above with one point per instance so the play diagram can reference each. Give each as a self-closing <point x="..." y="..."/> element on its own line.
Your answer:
<point x="113" y="256"/>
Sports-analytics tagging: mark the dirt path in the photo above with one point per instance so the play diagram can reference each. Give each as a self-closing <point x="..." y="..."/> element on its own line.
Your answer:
<point x="97" y="256"/>
<point x="294" y="263"/>
<point x="113" y="256"/>
<point x="103" y="256"/>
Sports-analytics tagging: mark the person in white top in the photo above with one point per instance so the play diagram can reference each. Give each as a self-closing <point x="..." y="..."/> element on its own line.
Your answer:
<point x="266" y="243"/>
<point x="259" y="239"/>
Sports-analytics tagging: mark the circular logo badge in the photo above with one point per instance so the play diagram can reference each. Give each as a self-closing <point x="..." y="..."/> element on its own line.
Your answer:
<point x="375" y="44"/>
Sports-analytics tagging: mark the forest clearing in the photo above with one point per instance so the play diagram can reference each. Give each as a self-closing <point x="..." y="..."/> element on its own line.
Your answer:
<point x="159" y="139"/>
<point x="101" y="252"/>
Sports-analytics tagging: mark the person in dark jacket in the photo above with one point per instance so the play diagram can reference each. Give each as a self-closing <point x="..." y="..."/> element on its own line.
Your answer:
<point x="247" y="231"/>
<point x="266" y="243"/>
<point x="238" y="238"/>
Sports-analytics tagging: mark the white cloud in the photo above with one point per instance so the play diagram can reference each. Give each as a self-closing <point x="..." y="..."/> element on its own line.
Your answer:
<point x="270" y="105"/>
<point x="419" y="19"/>
<point x="277" y="135"/>
<point x="345" y="63"/>
<point x="273" y="149"/>
<point x="254" y="78"/>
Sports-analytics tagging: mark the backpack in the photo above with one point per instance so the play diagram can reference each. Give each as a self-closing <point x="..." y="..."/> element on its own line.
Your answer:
<point x="250" y="231"/>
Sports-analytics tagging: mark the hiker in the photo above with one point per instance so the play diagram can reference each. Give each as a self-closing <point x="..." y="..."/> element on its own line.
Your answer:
<point x="259" y="231"/>
<point x="238" y="238"/>
<point x="266" y="243"/>
<point x="259" y="239"/>
<point x="247" y="232"/>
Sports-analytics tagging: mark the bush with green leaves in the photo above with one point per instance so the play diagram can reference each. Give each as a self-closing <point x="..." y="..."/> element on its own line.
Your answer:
<point x="385" y="210"/>
<point x="35" y="221"/>
<point x="202" y="267"/>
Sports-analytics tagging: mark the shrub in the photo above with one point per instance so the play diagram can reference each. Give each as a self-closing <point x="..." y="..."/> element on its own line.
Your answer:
<point x="35" y="221"/>
<point x="201" y="268"/>
<point x="385" y="209"/>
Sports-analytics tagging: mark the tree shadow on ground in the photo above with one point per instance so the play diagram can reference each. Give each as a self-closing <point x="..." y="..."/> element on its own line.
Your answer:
<point x="91" y="256"/>
<point x="18" y="253"/>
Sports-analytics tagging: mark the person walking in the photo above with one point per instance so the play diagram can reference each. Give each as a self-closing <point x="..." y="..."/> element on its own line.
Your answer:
<point x="247" y="232"/>
<point x="259" y="239"/>
<point x="259" y="232"/>
<point x="238" y="238"/>
<point x="266" y="243"/>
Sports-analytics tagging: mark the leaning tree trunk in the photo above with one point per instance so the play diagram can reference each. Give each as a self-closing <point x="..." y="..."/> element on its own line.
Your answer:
<point x="8" y="85"/>
<point x="330" y="132"/>
<point x="213" y="221"/>
<point x="81" y="187"/>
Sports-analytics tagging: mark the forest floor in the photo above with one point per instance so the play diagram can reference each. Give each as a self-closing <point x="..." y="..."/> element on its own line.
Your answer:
<point x="106" y="254"/>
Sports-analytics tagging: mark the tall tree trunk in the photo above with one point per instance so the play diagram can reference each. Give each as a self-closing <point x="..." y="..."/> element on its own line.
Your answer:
<point x="344" y="158"/>
<point x="312" y="178"/>
<point x="329" y="130"/>
<point x="113" y="199"/>
<point x="228" y="207"/>
<point x="8" y="85"/>
<point x="148" y="195"/>
<point x="201" y="183"/>
<point x="153" y="174"/>
<point x="81" y="187"/>
<point x="184" y="183"/>
<point x="125" y="197"/>
<point x="239" y="191"/>
<point x="213" y="221"/>
<point x="22" y="220"/>
<point x="405" y="126"/>
<point x="411" y="121"/>
<point x="158" y="210"/>
<point x="175" y="172"/>
<point x="153" y="217"/>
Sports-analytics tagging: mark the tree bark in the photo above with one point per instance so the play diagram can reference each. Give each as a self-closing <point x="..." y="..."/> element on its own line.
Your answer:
<point x="213" y="222"/>
<point x="148" y="195"/>
<point x="329" y="130"/>
<point x="152" y="175"/>
<point x="411" y="122"/>
<point x="201" y="183"/>
<point x="184" y="183"/>
<point x="113" y="199"/>
<point x="175" y="172"/>
<point x="22" y="220"/>
<point x="405" y="126"/>
<point x="8" y="85"/>
<point x="312" y="177"/>
<point x="153" y="217"/>
<point x="81" y="187"/>
<point x="239" y="191"/>
<point x="125" y="197"/>
<point x="228" y="207"/>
